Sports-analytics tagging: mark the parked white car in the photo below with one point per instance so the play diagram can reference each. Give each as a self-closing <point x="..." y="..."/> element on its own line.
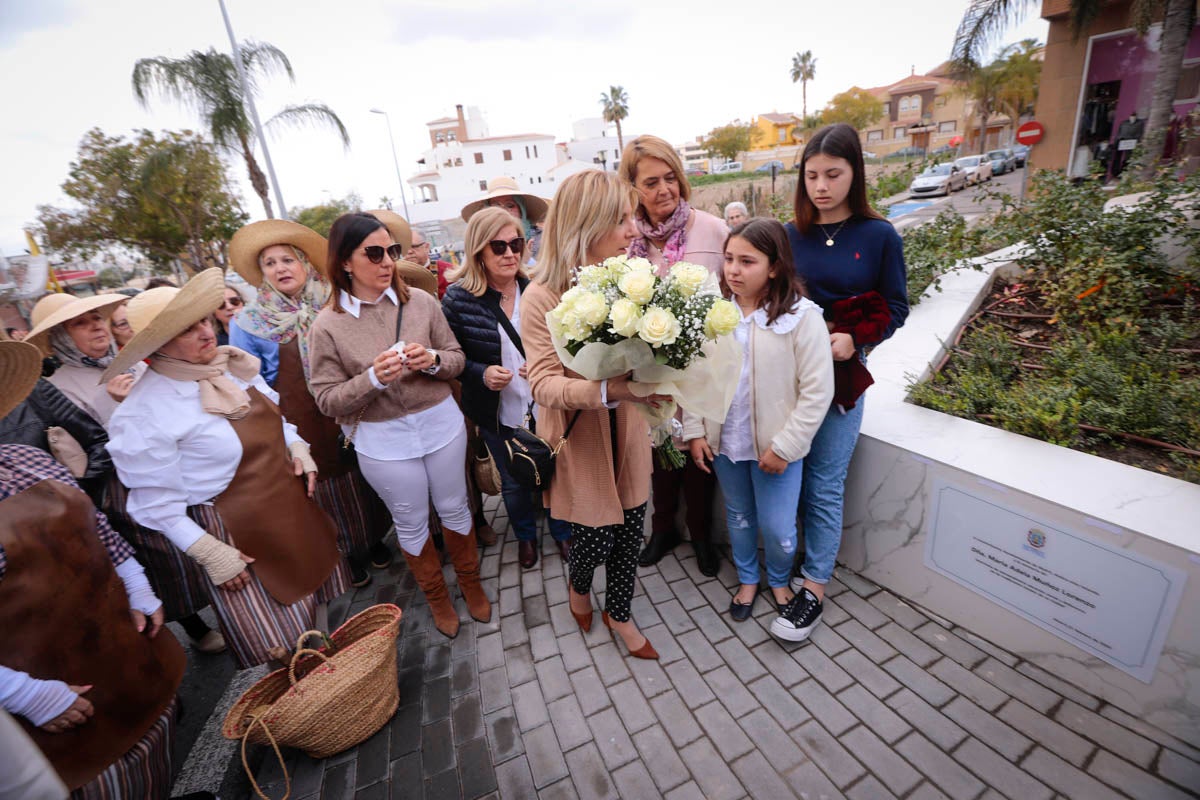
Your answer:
<point x="978" y="168"/>
<point x="728" y="166"/>
<point x="939" y="179"/>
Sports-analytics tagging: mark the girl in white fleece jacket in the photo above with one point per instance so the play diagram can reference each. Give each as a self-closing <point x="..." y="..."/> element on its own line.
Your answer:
<point x="782" y="395"/>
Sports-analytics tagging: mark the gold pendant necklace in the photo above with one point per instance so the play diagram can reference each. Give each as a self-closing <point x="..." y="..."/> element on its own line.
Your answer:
<point x="828" y="237"/>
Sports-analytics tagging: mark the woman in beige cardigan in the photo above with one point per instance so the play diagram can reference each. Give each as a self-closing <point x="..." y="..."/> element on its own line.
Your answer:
<point x="602" y="478"/>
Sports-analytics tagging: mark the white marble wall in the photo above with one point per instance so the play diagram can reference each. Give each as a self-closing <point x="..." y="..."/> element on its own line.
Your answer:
<point x="903" y="449"/>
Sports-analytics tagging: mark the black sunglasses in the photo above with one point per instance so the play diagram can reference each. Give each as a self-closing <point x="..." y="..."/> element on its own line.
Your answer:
<point x="374" y="252"/>
<point x="232" y="302"/>
<point x="498" y="246"/>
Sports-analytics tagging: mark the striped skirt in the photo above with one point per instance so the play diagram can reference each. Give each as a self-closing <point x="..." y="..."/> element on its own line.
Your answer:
<point x="177" y="580"/>
<point x="359" y="514"/>
<point x="252" y="621"/>
<point x="143" y="772"/>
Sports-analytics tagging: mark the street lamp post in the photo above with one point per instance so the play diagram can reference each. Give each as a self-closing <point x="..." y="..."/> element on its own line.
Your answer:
<point x="395" y="160"/>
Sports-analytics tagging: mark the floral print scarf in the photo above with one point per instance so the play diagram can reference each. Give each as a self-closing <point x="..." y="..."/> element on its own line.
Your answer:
<point x="278" y="318"/>
<point x="673" y="229"/>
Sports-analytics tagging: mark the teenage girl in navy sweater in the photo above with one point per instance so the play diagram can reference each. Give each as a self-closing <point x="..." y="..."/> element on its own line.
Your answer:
<point x="842" y="249"/>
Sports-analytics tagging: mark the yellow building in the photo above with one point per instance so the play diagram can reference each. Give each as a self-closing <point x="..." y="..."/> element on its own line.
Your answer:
<point x="775" y="130"/>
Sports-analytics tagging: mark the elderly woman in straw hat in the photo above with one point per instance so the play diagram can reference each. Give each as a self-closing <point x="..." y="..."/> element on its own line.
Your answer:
<point x="383" y="357"/>
<point x="419" y="277"/>
<point x="528" y="209"/>
<point x="211" y="463"/>
<point x="278" y="257"/>
<point x="101" y="708"/>
<point x="75" y="331"/>
<point x="483" y="307"/>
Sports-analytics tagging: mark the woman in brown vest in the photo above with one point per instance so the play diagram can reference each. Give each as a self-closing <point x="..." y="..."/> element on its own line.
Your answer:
<point x="100" y="708"/>
<point x="278" y="257"/>
<point x="211" y="463"/>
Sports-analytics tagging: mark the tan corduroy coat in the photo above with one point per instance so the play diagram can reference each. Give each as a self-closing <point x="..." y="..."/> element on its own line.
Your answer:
<point x="586" y="490"/>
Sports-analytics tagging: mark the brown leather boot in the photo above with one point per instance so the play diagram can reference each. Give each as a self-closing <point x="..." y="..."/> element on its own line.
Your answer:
<point x="427" y="569"/>
<point x="465" y="557"/>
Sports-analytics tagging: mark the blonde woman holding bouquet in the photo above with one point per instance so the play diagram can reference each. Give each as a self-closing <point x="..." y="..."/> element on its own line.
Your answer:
<point x="784" y="389"/>
<point x="670" y="231"/>
<point x="601" y="481"/>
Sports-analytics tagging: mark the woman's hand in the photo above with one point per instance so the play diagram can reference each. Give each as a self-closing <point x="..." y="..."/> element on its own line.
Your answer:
<point x="310" y="477"/>
<point x="523" y="371"/>
<point x="772" y="464"/>
<point x="241" y="580"/>
<point x="387" y="366"/>
<point x="77" y="714"/>
<point x="702" y="454"/>
<point x="842" y="345"/>
<point x="497" y="377"/>
<point x="619" y="392"/>
<point x="155" y="621"/>
<point x="417" y="357"/>
<point x="118" y="388"/>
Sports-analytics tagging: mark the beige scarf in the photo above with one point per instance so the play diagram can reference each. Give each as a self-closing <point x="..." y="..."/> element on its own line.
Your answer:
<point x="218" y="394"/>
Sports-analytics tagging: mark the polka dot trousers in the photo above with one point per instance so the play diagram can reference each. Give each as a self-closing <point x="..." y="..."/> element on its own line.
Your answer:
<point x="615" y="546"/>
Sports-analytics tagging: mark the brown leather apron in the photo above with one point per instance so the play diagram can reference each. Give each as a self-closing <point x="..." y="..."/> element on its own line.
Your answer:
<point x="268" y="513"/>
<point x="65" y="616"/>
<point x="298" y="407"/>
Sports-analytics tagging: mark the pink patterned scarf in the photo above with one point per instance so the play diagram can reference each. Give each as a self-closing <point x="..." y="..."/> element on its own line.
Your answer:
<point x="673" y="229"/>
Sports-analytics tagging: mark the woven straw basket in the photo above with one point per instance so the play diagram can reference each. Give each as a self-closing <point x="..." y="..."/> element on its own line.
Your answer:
<point x="330" y="699"/>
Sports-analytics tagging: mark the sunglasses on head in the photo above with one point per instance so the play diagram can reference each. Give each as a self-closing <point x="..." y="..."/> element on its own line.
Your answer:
<point x="374" y="252"/>
<point x="499" y="246"/>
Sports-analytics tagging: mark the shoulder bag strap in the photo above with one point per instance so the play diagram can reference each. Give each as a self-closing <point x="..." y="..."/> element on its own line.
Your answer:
<point x="503" y="319"/>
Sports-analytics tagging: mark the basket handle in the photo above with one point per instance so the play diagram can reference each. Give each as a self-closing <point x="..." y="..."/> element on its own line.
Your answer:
<point x="287" y="791"/>
<point x="325" y="640"/>
<point x="296" y="657"/>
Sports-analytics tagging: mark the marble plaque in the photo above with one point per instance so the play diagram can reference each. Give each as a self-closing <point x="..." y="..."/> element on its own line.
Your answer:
<point x="1110" y="602"/>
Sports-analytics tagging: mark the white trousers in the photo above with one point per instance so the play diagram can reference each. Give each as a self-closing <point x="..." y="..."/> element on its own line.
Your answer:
<point x="406" y="486"/>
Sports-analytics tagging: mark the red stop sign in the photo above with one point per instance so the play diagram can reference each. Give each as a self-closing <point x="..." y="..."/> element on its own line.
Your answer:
<point x="1031" y="132"/>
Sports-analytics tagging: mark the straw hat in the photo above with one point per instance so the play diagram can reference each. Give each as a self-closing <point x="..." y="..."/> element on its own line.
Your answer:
<point x="414" y="275"/>
<point x="252" y="239"/>
<point x="55" y="309"/>
<point x="397" y="226"/>
<point x="159" y="315"/>
<point x="20" y="368"/>
<point x="504" y="186"/>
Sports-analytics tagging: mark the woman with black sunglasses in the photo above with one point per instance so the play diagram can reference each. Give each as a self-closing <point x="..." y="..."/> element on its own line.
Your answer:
<point x="382" y="356"/>
<point x="483" y="308"/>
<point x="223" y="317"/>
<point x="281" y="259"/>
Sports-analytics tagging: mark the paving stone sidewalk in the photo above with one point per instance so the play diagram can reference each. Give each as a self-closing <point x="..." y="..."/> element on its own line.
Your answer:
<point x="884" y="701"/>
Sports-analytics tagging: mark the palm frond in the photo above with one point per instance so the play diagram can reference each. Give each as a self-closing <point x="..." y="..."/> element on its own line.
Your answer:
<point x="982" y="23"/>
<point x="266" y="59"/>
<point x="315" y="115"/>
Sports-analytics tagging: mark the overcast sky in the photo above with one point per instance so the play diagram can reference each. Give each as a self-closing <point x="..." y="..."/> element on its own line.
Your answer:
<point x="530" y="65"/>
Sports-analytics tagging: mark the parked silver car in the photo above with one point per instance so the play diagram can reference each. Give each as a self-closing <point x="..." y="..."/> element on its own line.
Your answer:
<point x="978" y="168"/>
<point x="939" y="179"/>
<point x="1003" y="161"/>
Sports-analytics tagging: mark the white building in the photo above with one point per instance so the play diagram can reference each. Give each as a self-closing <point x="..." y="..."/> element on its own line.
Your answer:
<point x="594" y="141"/>
<point x="463" y="157"/>
<point x="693" y="155"/>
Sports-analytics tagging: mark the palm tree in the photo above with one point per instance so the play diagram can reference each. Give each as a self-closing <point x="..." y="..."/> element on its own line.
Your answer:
<point x="616" y="108"/>
<point x="209" y="82"/>
<point x="984" y="87"/>
<point x="804" y="69"/>
<point x="984" y="20"/>
<point x="1022" y="75"/>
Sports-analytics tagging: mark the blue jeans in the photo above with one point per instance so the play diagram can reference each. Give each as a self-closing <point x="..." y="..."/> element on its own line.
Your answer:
<point x="821" y="500"/>
<point x="757" y="501"/>
<point x="518" y="501"/>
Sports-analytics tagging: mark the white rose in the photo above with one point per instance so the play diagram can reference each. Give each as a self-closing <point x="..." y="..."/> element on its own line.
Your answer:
<point x="659" y="327"/>
<point x="722" y="318"/>
<point x="591" y="308"/>
<point x="688" y="278"/>
<point x="639" y="265"/>
<point x="625" y="316"/>
<point x="593" y="277"/>
<point x="638" y="286"/>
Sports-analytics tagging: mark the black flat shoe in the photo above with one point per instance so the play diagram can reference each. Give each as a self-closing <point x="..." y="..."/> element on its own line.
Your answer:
<point x="659" y="545"/>
<point x="381" y="556"/>
<point x="740" y="612"/>
<point x="707" y="560"/>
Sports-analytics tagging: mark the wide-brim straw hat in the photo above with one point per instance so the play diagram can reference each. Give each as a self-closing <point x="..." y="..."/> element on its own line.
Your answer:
<point x="535" y="207"/>
<point x="397" y="226"/>
<point x="252" y="239"/>
<point x="159" y="315"/>
<point x="20" y="368"/>
<point x="55" y="309"/>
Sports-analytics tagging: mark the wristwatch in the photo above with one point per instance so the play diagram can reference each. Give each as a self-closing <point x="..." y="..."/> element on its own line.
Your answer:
<point x="437" y="362"/>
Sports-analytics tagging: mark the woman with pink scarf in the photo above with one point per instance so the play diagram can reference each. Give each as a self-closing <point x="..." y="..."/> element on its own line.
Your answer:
<point x="672" y="231"/>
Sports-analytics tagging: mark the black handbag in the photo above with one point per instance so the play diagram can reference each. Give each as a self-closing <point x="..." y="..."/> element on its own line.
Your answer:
<point x="530" y="457"/>
<point x="346" y="452"/>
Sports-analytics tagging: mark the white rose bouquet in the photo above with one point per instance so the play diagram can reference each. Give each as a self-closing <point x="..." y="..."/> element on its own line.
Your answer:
<point x="671" y="332"/>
